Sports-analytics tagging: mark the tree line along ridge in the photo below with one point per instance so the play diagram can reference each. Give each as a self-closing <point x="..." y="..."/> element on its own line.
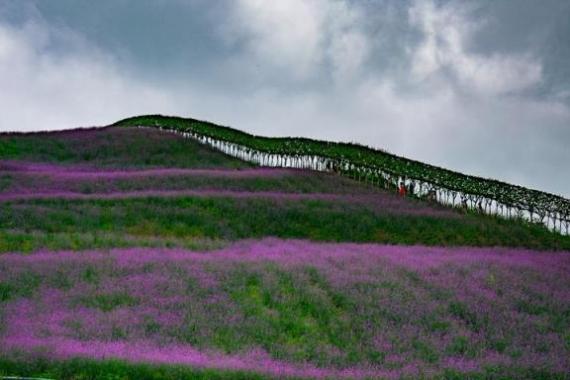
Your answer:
<point x="375" y="166"/>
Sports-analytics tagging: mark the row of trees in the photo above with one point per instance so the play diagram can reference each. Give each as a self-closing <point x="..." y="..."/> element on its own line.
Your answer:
<point x="374" y="166"/>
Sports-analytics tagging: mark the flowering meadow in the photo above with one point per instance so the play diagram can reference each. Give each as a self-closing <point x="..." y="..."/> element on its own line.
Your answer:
<point x="80" y="206"/>
<point x="131" y="253"/>
<point x="290" y="307"/>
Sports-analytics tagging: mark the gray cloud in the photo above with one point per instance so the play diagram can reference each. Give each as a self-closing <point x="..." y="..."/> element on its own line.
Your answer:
<point x="480" y="87"/>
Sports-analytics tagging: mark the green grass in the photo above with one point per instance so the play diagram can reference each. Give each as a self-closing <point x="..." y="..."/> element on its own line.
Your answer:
<point x="289" y="182"/>
<point x="5" y="292"/>
<point x="109" y="302"/>
<point x="27" y="242"/>
<point x="113" y="147"/>
<point x="83" y="369"/>
<point x="5" y="181"/>
<point x="300" y="317"/>
<point x="29" y="225"/>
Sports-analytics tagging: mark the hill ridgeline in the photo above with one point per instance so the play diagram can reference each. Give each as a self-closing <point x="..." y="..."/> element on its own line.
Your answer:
<point x="376" y="167"/>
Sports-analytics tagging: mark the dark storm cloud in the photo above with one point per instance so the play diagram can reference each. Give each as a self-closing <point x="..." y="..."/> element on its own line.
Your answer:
<point x="477" y="86"/>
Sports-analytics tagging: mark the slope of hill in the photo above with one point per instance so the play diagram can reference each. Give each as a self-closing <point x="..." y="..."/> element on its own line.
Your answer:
<point x="377" y="166"/>
<point x="135" y="253"/>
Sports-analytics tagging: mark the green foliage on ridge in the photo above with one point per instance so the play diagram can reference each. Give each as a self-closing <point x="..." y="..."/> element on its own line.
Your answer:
<point x="511" y="195"/>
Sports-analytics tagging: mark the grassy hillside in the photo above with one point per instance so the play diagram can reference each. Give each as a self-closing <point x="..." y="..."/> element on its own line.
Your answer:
<point x="118" y="187"/>
<point x="133" y="253"/>
<point x="112" y="147"/>
<point x="358" y="160"/>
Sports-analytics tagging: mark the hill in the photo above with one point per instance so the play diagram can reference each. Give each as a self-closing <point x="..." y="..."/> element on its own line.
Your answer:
<point x="376" y="166"/>
<point x="136" y="253"/>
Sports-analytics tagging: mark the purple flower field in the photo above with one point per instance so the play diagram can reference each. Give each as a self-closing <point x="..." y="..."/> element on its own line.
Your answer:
<point x="90" y="172"/>
<point x="387" y="204"/>
<point x="292" y="307"/>
<point x="33" y="181"/>
<point x="142" y="247"/>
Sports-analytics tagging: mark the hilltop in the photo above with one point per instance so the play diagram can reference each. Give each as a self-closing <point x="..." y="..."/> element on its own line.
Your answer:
<point x="139" y="253"/>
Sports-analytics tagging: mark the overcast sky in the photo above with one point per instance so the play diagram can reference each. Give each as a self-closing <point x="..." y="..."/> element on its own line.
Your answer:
<point x="482" y="87"/>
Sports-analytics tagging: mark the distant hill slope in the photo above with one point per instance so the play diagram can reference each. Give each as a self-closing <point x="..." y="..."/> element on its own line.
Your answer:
<point x="122" y="186"/>
<point x="108" y="147"/>
<point x="486" y="195"/>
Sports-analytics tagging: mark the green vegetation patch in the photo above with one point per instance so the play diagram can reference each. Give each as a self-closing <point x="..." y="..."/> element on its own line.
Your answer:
<point x="114" y="147"/>
<point x="294" y="315"/>
<point x="80" y="224"/>
<point x="114" y="370"/>
<point x="108" y="302"/>
<point x="5" y="291"/>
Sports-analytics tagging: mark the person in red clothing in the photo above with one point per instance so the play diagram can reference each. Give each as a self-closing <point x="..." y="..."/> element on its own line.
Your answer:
<point x="402" y="189"/>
